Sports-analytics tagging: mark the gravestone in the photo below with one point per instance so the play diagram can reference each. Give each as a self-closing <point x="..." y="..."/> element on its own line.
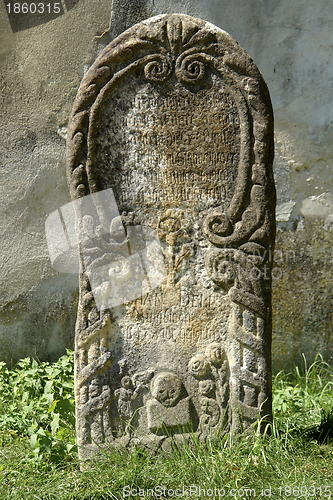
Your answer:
<point x="170" y="151"/>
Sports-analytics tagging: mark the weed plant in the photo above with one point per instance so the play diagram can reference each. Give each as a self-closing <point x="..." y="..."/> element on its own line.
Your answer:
<point x="37" y="403"/>
<point x="292" y="459"/>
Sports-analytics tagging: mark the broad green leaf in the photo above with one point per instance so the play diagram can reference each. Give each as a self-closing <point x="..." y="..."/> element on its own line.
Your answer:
<point x="52" y="407"/>
<point x="34" y="441"/>
<point x="48" y="386"/>
<point x="55" y="423"/>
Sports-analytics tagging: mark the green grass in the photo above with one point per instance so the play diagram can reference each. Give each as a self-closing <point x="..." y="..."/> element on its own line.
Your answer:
<point x="38" y="456"/>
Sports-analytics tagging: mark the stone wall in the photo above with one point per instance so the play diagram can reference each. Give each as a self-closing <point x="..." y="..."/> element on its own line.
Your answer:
<point x="40" y="70"/>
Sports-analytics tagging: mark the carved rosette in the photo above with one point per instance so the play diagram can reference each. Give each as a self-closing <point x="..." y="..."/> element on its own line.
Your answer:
<point x="177" y="48"/>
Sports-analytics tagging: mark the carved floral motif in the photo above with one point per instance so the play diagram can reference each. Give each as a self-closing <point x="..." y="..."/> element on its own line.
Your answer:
<point x="199" y="366"/>
<point x="211" y="369"/>
<point x="183" y="48"/>
<point x="174" y="228"/>
<point x="249" y="273"/>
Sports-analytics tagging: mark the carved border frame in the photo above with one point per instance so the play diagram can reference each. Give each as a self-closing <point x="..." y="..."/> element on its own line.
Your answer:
<point x="119" y="59"/>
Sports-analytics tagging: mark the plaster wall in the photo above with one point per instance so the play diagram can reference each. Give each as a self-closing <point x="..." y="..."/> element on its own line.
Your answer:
<point x="40" y="70"/>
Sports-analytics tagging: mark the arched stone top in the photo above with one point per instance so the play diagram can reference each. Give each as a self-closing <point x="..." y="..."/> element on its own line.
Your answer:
<point x="186" y="50"/>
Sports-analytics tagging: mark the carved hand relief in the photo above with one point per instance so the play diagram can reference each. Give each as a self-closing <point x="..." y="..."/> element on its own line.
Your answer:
<point x="174" y="321"/>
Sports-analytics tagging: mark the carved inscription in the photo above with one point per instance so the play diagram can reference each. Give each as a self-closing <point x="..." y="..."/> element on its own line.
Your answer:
<point x="178" y="147"/>
<point x="194" y="318"/>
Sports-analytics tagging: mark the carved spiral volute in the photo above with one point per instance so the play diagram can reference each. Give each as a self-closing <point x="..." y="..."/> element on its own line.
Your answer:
<point x="218" y="224"/>
<point x="191" y="69"/>
<point x="221" y="267"/>
<point x="158" y="69"/>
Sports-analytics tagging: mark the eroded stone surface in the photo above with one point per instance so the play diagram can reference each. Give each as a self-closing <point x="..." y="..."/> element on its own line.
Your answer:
<point x="176" y="119"/>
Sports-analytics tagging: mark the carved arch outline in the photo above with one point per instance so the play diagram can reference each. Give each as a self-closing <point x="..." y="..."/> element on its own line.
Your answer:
<point x="120" y="58"/>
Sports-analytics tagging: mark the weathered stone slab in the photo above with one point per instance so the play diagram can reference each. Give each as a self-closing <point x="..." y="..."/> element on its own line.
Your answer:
<point x="176" y="120"/>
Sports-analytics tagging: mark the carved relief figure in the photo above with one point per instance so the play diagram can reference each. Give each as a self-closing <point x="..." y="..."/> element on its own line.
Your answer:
<point x="212" y="372"/>
<point x="210" y="410"/>
<point x="124" y="395"/>
<point x="170" y="408"/>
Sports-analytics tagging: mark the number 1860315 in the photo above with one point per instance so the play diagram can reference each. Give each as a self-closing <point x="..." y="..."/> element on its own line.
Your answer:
<point x="304" y="491"/>
<point x="33" y="8"/>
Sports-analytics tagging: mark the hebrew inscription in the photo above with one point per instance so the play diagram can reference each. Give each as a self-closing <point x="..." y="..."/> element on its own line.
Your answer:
<point x="176" y="120"/>
<point x="165" y="136"/>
